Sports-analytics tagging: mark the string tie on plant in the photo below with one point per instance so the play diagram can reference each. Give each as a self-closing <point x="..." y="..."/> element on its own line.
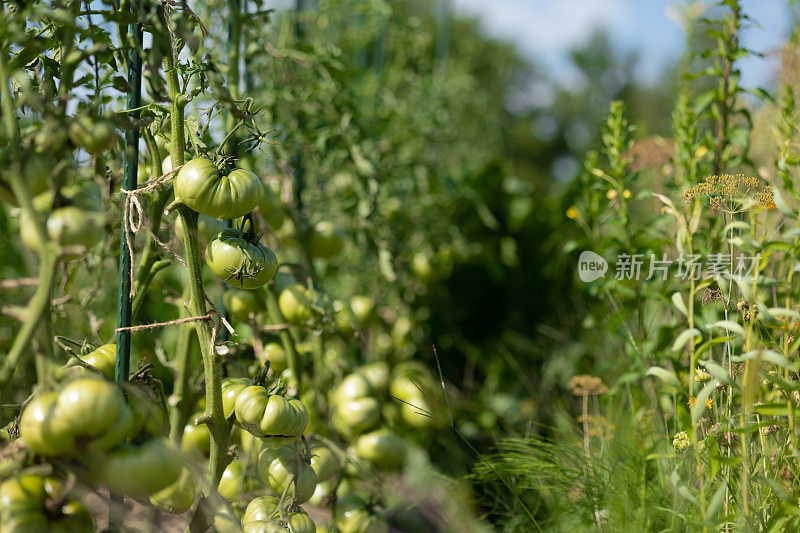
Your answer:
<point x="133" y="215"/>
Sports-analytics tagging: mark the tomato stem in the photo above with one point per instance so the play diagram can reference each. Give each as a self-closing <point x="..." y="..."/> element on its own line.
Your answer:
<point x="212" y="365"/>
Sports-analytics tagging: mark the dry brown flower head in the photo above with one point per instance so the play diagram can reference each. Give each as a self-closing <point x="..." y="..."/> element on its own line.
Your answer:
<point x="585" y="385"/>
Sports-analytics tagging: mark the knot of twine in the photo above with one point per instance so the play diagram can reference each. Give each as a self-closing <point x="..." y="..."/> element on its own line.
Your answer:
<point x="133" y="219"/>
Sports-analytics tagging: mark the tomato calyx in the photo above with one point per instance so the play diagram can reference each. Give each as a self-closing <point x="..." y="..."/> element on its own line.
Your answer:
<point x="225" y="164"/>
<point x="249" y="268"/>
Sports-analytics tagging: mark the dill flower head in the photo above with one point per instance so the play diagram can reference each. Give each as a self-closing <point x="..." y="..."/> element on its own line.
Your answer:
<point x="585" y="385"/>
<point x="727" y="193"/>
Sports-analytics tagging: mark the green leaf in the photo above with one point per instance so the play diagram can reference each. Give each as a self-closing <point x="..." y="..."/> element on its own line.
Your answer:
<point x="728" y="325"/>
<point x="666" y="376"/>
<point x="677" y="301"/>
<point x="767" y="356"/>
<point x="716" y="370"/>
<point x="685" y="337"/>
<point x="781" y="204"/>
<point x="716" y="501"/>
<point x="706" y="346"/>
<point x="772" y="409"/>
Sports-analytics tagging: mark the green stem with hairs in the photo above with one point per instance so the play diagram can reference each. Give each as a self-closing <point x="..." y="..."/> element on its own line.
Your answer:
<point x="212" y="365"/>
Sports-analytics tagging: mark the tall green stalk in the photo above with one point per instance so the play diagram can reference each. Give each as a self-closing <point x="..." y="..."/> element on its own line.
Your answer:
<point x="212" y="365"/>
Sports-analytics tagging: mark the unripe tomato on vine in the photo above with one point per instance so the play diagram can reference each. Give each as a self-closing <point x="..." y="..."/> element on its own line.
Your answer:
<point x="203" y="188"/>
<point x="240" y="260"/>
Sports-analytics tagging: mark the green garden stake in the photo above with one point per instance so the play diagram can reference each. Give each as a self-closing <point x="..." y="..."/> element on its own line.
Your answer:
<point x="130" y="167"/>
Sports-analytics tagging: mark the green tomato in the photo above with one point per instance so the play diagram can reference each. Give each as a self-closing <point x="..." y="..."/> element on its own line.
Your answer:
<point x="271" y="208"/>
<point x="244" y="263"/>
<point x="382" y="448"/>
<point x="36" y="171"/>
<point x="103" y="359"/>
<point x="225" y="522"/>
<point x="142" y="471"/>
<point x="283" y="280"/>
<point x="232" y="482"/>
<point x="231" y="387"/>
<point x="143" y="173"/>
<point x="377" y="374"/>
<point x="262" y="515"/>
<point x="362" y="521"/>
<point x="323" y="494"/>
<point x="421" y="267"/>
<point x="201" y="187"/>
<point x="178" y="497"/>
<point x="276" y="356"/>
<point x="420" y="397"/>
<point x="363" y="308"/>
<point x="166" y="164"/>
<point x="67" y="226"/>
<point x="90" y="408"/>
<point x="272" y="418"/>
<point x="417" y="414"/>
<point x="25" y="507"/>
<point x="196" y="441"/>
<point x="36" y="427"/>
<point x="324" y="463"/>
<point x="326" y="240"/>
<point x="358" y="415"/>
<point x="240" y="303"/>
<point x="355" y="385"/>
<point x="295" y="303"/>
<point x="86" y="414"/>
<point x="279" y="469"/>
<point x="93" y="135"/>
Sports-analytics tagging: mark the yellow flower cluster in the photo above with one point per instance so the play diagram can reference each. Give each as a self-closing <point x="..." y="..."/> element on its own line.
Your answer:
<point x="726" y="192"/>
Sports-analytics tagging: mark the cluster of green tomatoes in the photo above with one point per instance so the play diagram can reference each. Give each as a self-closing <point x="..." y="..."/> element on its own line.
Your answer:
<point x="321" y="443"/>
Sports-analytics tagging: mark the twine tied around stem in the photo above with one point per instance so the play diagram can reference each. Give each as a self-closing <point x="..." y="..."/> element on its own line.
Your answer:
<point x="133" y="219"/>
<point x="213" y="312"/>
